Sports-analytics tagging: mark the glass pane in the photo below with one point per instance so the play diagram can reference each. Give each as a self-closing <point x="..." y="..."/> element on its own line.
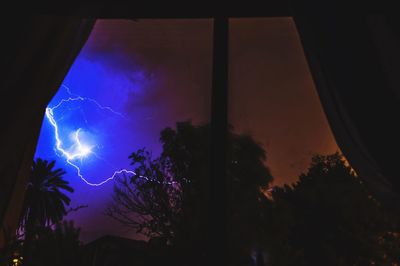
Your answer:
<point x="275" y="112"/>
<point x="295" y="200"/>
<point x="131" y="81"/>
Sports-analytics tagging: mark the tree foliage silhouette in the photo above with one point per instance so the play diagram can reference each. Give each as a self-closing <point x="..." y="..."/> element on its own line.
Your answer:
<point x="45" y="201"/>
<point x="148" y="202"/>
<point x="329" y="218"/>
<point x="167" y="199"/>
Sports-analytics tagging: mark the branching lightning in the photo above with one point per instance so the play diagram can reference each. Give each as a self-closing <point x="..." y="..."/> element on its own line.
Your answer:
<point x="79" y="150"/>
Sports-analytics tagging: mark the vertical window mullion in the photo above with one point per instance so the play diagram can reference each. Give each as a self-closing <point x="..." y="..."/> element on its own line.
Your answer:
<point x="219" y="126"/>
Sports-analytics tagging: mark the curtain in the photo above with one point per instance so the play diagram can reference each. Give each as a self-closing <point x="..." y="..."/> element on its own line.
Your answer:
<point x="354" y="58"/>
<point x="37" y="53"/>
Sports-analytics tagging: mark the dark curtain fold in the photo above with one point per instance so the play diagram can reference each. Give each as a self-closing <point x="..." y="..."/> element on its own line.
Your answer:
<point x="37" y="52"/>
<point x="354" y="58"/>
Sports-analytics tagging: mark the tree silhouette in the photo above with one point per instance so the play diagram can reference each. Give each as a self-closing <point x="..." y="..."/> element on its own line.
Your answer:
<point x="45" y="201"/>
<point x="148" y="202"/>
<point x="167" y="198"/>
<point x="329" y="218"/>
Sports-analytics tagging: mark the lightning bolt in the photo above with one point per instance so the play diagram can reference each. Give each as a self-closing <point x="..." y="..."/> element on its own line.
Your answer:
<point x="79" y="150"/>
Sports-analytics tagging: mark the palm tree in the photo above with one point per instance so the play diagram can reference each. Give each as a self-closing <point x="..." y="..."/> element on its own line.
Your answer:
<point x="44" y="202"/>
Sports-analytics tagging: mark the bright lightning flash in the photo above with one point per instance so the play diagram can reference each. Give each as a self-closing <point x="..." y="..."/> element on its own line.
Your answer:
<point x="80" y="150"/>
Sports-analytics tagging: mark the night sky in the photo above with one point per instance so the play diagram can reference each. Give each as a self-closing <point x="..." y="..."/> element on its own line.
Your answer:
<point x="134" y="78"/>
